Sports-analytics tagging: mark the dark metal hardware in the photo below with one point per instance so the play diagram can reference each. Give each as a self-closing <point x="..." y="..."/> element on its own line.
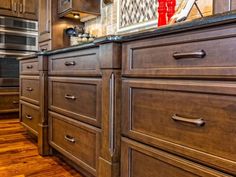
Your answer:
<point x="184" y="55"/>
<point x="70" y="63"/>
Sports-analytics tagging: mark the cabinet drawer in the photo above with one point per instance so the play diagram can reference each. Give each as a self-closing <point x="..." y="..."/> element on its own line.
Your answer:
<point x="192" y="118"/>
<point x="203" y="53"/>
<point x="9" y="102"/>
<point x="79" y="98"/>
<point x="78" y="141"/>
<point x="29" y="116"/>
<point x="29" y="67"/>
<point x="142" y="161"/>
<point x="29" y="89"/>
<point x="84" y="62"/>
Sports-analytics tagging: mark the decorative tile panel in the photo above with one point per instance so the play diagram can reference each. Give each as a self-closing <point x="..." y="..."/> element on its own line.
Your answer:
<point x="137" y="11"/>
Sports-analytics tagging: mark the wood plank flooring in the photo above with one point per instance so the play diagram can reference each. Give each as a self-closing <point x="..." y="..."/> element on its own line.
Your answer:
<point x="19" y="156"/>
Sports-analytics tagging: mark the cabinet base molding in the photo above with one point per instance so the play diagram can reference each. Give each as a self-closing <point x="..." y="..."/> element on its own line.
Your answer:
<point x="108" y="169"/>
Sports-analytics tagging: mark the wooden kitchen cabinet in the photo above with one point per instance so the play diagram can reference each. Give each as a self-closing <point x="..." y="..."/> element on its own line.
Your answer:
<point x="44" y="23"/>
<point x="84" y="6"/>
<point x="27" y="9"/>
<point x="8" y="8"/>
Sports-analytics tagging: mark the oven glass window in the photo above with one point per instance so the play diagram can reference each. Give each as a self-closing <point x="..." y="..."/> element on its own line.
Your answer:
<point x="9" y="68"/>
<point x="21" y="40"/>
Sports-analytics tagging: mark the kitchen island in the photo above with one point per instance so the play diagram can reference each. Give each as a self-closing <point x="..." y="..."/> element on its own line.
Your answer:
<point x="150" y="104"/>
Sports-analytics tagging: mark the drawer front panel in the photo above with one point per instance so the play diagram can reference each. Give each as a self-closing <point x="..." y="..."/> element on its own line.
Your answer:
<point x="195" y="54"/>
<point x="75" y="63"/>
<point x="30" y="89"/>
<point x="79" y="98"/>
<point x="192" y="118"/>
<point x="143" y="161"/>
<point x="29" y="67"/>
<point x="77" y="141"/>
<point x="9" y="102"/>
<point x="29" y="116"/>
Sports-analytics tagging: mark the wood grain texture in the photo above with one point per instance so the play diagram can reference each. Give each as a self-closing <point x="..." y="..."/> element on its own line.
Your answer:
<point x="19" y="155"/>
<point x="156" y="58"/>
<point x="139" y="160"/>
<point x="149" y="106"/>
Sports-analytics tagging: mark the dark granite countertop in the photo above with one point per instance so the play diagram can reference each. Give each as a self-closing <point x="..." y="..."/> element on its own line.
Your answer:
<point x="219" y="19"/>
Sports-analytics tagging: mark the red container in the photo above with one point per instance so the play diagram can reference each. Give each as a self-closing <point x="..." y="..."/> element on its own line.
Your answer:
<point x="162" y="10"/>
<point x="170" y="8"/>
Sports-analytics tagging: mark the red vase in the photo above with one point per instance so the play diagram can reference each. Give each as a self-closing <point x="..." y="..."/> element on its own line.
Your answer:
<point x="162" y="10"/>
<point x="170" y="8"/>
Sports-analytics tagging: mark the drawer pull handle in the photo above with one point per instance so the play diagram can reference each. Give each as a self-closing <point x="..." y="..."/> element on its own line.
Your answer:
<point x="70" y="97"/>
<point x="70" y="139"/>
<point x="29" y="66"/>
<point x="198" y="54"/>
<point x="29" y="89"/>
<point x="15" y="102"/>
<point x="199" y="122"/>
<point x="70" y="63"/>
<point x="29" y="117"/>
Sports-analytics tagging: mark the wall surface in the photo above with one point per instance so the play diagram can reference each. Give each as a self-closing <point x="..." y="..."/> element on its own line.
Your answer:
<point x="123" y="16"/>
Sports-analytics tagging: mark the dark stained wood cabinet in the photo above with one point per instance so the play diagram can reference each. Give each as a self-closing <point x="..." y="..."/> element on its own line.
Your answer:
<point x="27" y="9"/>
<point x="139" y="160"/>
<point x="178" y="97"/>
<point x="30" y="116"/>
<point x="33" y="98"/>
<point x="84" y="89"/>
<point x="45" y="25"/>
<point x="79" y="98"/>
<point x="78" y="141"/>
<point x="157" y="106"/>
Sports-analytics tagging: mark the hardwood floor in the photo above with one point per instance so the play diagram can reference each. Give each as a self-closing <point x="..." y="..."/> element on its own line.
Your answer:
<point x="19" y="156"/>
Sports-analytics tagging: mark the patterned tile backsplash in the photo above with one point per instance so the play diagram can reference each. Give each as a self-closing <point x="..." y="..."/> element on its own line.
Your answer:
<point x="137" y="11"/>
<point x="129" y="15"/>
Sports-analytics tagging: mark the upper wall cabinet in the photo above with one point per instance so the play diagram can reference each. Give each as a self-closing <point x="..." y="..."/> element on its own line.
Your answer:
<point x="83" y="9"/>
<point x="223" y="6"/>
<point x="45" y="23"/>
<point x="27" y="9"/>
<point x="8" y="8"/>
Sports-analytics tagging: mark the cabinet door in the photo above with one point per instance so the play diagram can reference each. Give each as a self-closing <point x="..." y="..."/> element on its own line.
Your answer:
<point x="64" y="5"/>
<point x="44" y="20"/>
<point x="28" y="9"/>
<point x="8" y="8"/>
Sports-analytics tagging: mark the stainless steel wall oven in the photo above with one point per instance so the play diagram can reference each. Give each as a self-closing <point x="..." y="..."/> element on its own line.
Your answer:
<point x="18" y="37"/>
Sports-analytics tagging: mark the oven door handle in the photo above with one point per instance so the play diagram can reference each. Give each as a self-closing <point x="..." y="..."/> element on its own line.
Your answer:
<point x="21" y="54"/>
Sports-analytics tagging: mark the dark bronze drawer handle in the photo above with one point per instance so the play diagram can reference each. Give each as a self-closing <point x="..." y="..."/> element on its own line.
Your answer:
<point x="15" y="102"/>
<point x="29" y="89"/>
<point x="70" y="139"/>
<point x="182" y="55"/>
<point x="70" y="63"/>
<point x="29" y="66"/>
<point x="199" y="122"/>
<point x="29" y="117"/>
<point x="70" y="97"/>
